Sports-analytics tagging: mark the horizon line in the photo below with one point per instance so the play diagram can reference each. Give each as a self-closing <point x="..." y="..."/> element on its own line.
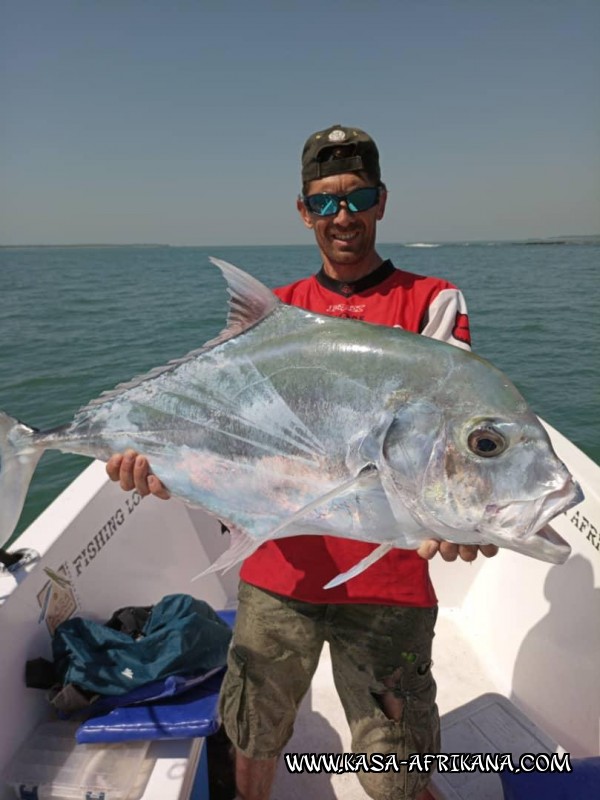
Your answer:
<point x="531" y="239"/>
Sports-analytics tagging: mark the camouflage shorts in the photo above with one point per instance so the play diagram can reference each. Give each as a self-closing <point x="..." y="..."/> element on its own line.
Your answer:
<point x="374" y="649"/>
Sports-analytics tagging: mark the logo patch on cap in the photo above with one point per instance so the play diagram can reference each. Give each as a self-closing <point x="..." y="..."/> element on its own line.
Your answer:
<point x="337" y="135"/>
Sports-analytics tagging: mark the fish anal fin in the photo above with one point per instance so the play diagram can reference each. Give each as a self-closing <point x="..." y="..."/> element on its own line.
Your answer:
<point x="361" y="566"/>
<point x="240" y="548"/>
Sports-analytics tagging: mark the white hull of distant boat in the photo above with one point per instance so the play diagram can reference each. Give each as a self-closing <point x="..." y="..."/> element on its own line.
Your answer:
<point x="511" y="626"/>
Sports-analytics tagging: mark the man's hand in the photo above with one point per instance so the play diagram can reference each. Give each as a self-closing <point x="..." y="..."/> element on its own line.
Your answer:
<point x="450" y="551"/>
<point x="132" y="471"/>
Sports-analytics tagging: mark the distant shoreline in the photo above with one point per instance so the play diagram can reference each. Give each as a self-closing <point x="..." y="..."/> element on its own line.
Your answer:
<point x="591" y="239"/>
<point x="86" y="246"/>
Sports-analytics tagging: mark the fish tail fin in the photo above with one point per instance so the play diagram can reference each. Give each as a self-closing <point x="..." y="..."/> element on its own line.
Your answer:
<point x="19" y="456"/>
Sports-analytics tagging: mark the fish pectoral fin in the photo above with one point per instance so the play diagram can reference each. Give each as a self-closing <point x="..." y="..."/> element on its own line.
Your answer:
<point x="242" y="546"/>
<point x="365" y="448"/>
<point x="361" y="566"/>
<point x="365" y="478"/>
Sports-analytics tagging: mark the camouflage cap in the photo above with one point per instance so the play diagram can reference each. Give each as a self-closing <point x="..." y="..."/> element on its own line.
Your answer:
<point x="338" y="149"/>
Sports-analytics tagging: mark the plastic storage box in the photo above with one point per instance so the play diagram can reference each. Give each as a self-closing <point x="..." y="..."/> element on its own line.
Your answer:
<point x="490" y="723"/>
<point x="52" y="766"/>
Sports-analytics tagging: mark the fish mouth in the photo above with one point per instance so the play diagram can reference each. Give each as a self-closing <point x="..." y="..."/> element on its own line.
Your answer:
<point x="523" y="525"/>
<point x="547" y="545"/>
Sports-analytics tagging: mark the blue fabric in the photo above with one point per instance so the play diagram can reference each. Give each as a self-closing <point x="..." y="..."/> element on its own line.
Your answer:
<point x="153" y="692"/>
<point x="183" y="636"/>
<point x="162" y="689"/>
<point x="582" y="783"/>
<point x="176" y="707"/>
<point x="192" y="714"/>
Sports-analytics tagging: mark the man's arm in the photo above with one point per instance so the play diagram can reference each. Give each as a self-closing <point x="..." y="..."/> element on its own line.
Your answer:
<point x="447" y="319"/>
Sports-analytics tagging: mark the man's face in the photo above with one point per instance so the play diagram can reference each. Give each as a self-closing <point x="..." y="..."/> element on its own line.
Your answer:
<point x="346" y="238"/>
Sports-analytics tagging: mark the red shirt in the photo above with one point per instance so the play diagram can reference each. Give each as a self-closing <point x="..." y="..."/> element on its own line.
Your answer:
<point x="299" y="566"/>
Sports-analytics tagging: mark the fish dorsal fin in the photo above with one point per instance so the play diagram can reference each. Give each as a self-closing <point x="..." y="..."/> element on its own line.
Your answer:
<point x="250" y="302"/>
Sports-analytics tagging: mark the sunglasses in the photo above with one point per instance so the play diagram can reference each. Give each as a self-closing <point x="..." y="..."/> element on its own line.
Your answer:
<point x="326" y="205"/>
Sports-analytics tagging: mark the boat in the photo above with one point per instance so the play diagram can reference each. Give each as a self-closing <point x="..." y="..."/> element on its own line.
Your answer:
<point x="517" y="643"/>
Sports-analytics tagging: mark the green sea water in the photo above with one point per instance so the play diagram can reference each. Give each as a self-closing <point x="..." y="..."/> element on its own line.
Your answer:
<point x="75" y="321"/>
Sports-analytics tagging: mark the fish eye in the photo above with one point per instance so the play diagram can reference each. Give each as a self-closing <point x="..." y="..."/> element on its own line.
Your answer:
<point x="486" y="442"/>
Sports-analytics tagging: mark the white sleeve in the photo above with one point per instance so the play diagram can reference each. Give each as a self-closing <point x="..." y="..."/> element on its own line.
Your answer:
<point x="447" y="319"/>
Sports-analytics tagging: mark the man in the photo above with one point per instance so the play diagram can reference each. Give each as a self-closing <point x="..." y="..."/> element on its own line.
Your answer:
<point x="379" y="624"/>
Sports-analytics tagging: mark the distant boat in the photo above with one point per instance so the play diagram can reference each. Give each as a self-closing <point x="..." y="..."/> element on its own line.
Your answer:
<point x="513" y="632"/>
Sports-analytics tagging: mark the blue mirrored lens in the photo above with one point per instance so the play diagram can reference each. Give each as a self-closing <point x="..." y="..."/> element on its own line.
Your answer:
<point x="326" y="205"/>
<point x="362" y="199"/>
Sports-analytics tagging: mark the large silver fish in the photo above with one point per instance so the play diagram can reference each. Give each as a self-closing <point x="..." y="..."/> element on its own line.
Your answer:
<point x="291" y="422"/>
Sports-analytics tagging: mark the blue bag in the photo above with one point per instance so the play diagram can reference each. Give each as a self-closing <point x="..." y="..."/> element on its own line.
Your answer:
<point x="182" y="636"/>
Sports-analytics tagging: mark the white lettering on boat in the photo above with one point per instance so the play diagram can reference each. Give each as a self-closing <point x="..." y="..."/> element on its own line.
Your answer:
<point x="105" y="534"/>
<point x="584" y="525"/>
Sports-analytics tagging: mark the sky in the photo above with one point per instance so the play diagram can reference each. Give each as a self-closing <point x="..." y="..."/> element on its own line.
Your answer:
<point x="182" y="123"/>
